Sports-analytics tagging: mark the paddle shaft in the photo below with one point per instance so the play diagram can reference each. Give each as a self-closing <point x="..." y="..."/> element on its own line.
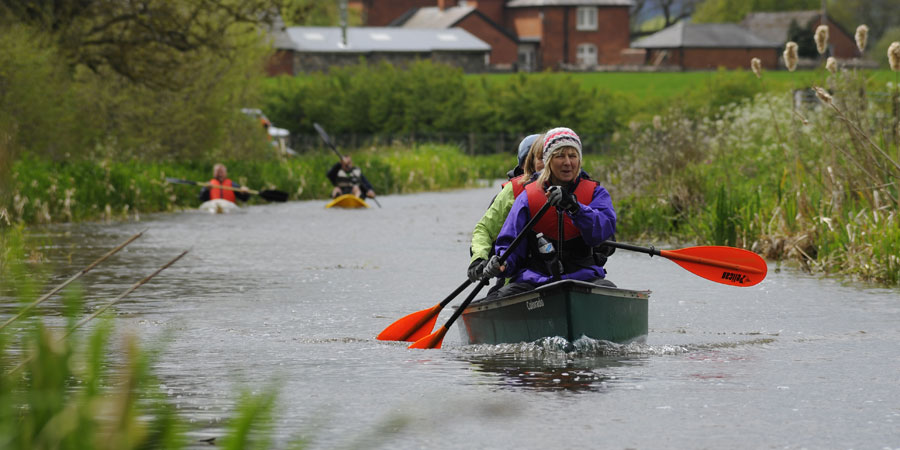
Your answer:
<point x="503" y="257"/>
<point x="103" y="308"/>
<point x="73" y="278"/>
<point x="676" y="256"/>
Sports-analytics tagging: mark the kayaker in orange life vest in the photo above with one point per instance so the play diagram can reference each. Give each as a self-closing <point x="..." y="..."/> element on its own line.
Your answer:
<point x="220" y="177"/>
<point x="588" y="217"/>
<point x="348" y="179"/>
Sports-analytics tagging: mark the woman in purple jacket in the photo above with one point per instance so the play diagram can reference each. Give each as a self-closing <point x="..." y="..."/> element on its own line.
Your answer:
<point x="585" y="210"/>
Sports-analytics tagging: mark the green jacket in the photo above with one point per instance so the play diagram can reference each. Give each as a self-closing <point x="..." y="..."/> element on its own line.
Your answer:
<point x="488" y="228"/>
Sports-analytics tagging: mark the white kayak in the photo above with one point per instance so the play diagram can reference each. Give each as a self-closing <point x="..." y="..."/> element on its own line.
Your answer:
<point x="218" y="206"/>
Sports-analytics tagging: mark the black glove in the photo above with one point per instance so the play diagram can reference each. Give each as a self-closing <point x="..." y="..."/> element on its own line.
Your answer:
<point x="476" y="269"/>
<point x="492" y="268"/>
<point x="570" y="204"/>
<point x="557" y="197"/>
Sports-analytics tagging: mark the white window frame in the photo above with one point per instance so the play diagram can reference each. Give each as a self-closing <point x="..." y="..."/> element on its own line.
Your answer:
<point x="582" y="52"/>
<point x="586" y="18"/>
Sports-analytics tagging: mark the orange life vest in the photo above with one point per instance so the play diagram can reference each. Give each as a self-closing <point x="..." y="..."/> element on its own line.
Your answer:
<point x="225" y="194"/>
<point x="517" y="186"/>
<point x="548" y="225"/>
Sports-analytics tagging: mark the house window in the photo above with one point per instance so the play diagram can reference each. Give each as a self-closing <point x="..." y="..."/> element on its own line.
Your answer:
<point x="587" y="55"/>
<point x="587" y="18"/>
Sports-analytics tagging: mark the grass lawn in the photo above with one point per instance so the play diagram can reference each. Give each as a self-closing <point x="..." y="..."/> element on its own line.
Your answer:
<point x="666" y="85"/>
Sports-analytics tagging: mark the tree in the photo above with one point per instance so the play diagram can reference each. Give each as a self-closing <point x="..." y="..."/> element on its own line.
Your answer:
<point x="146" y="41"/>
<point x="878" y="15"/>
<point x="718" y="11"/>
<point x="317" y="13"/>
<point x="669" y="11"/>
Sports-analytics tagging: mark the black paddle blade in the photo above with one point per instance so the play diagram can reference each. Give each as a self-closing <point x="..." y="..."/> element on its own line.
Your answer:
<point x="322" y="133"/>
<point x="180" y="181"/>
<point x="274" y="196"/>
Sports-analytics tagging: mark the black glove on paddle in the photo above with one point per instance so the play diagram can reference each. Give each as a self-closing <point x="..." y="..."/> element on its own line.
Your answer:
<point x="492" y="268"/>
<point x="558" y="198"/>
<point x="476" y="269"/>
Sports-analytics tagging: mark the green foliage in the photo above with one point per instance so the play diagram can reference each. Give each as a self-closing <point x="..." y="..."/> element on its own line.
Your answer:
<point x="723" y="89"/>
<point x="718" y="11"/>
<point x="54" y="108"/>
<point x="878" y="15"/>
<point x="44" y="191"/>
<point x="431" y="98"/>
<point x="38" y="109"/>
<point x="152" y="43"/>
<point x="878" y="52"/>
<point x="317" y="13"/>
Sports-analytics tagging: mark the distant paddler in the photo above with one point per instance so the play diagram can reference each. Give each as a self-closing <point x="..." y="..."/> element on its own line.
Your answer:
<point x="214" y="190"/>
<point x="349" y="179"/>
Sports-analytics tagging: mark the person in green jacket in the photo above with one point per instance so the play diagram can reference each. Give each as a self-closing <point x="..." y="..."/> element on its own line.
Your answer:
<point x="486" y="230"/>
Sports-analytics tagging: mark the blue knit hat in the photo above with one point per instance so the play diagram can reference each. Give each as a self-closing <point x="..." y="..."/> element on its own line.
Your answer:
<point x="524" y="146"/>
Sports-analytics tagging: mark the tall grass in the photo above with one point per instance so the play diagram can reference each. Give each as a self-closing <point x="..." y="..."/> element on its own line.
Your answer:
<point x="43" y="191"/>
<point x="816" y="184"/>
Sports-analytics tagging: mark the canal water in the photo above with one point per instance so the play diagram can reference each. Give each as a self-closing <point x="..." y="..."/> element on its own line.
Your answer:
<point x="293" y="294"/>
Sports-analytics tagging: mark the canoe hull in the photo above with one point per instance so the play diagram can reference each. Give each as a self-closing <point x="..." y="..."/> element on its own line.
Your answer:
<point x="569" y="309"/>
<point x="218" y="206"/>
<point x="347" y="201"/>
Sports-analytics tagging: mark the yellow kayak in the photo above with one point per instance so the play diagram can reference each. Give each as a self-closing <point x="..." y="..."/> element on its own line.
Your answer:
<point x="347" y="201"/>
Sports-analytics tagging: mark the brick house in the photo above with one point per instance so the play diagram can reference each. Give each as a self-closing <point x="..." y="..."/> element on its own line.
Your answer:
<point x="708" y="46"/>
<point x="504" y="44"/>
<point x="774" y="26"/>
<point x="548" y="34"/>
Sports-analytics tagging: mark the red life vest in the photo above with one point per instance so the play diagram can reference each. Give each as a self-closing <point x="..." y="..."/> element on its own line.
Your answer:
<point x="215" y="192"/>
<point x="548" y="223"/>
<point x="517" y="186"/>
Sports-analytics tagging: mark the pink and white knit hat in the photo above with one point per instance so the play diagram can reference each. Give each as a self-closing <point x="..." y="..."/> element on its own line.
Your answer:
<point x="560" y="137"/>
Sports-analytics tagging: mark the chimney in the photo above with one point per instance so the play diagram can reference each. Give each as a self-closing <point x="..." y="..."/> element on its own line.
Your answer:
<point x="442" y="4"/>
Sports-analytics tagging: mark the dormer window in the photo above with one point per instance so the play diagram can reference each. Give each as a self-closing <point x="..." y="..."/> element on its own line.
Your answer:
<point x="587" y="18"/>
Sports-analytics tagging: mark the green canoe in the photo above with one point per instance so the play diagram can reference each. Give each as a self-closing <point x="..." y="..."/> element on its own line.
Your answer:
<point x="569" y="309"/>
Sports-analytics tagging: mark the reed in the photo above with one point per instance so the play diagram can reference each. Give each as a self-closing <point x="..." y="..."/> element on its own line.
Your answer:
<point x="43" y="191"/>
<point x="811" y="183"/>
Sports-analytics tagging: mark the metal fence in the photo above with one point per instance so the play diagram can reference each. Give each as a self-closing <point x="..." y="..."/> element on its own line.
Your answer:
<point x="470" y="143"/>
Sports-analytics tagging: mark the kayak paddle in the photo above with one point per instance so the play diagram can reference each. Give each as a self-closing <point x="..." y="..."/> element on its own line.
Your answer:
<point x="330" y="143"/>
<point x="270" y="195"/>
<point x="419" y="324"/>
<point x="726" y="265"/>
<point x="435" y="339"/>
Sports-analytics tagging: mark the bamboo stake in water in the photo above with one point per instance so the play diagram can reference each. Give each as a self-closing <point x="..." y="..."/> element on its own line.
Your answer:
<point x="104" y="308"/>
<point x="73" y="278"/>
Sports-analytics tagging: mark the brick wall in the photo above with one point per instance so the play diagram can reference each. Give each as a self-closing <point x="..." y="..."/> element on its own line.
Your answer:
<point x="379" y="13"/>
<point x="842" y="44"/>
<point x="504" y="50"/>
<point x="281" y="63"/>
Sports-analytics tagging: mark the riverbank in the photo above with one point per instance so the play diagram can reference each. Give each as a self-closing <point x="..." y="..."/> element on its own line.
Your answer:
<point x="43" y="191"/>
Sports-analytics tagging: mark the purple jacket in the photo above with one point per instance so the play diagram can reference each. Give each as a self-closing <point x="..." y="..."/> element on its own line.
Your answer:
<point x="597" y="223"/>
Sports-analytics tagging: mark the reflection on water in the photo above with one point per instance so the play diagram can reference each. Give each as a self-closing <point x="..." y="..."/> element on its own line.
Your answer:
<point x="547" y="374"/>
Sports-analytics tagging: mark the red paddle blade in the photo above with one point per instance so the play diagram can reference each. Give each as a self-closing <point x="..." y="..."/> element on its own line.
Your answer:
<point x="726" y="265"/>
<point x="433" y="340"/>
<point x="412" y="327"/>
